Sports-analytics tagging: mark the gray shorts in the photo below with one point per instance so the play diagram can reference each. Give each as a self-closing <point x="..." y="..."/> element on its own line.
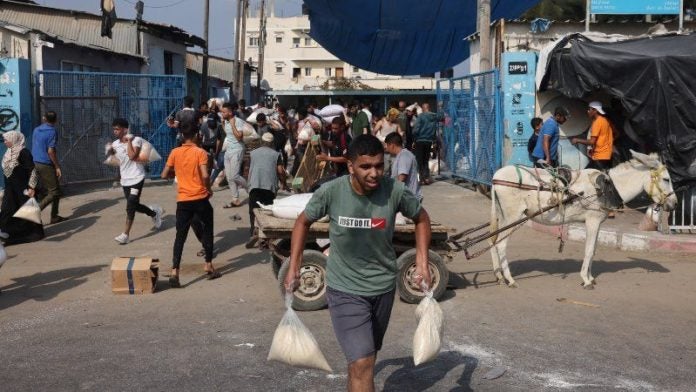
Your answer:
<point x="359" y="322"/>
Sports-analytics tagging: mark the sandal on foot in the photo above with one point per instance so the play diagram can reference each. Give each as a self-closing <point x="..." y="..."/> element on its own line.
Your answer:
<point x="174" y="282"/>
<point x="213" y="275"/>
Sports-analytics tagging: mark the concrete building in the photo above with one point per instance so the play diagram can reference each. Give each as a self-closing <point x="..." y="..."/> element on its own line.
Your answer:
<point x="220" y="77"/>
<point x="297" y="66"/>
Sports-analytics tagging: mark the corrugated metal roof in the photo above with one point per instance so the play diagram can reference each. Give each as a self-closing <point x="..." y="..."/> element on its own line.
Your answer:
<point x="218" y="67"/>
<point x="83" y="28"/>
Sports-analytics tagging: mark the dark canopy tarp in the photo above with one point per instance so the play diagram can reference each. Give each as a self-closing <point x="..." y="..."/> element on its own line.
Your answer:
<point x="401" y="37"/>
<point x="655" y="79"/>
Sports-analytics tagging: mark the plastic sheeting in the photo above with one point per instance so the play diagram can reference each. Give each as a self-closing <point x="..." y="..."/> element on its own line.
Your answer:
<point x="401" y="37"/>
<point x="653" y="78"/>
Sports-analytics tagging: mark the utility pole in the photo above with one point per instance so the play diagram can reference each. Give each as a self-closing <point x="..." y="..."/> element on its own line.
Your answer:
<point x="484" y="28"/>
<point x="262" y="44"/>
<point x="204" y="82"/>
<point x="242" y="36"/>
<point x="237" y="26"/>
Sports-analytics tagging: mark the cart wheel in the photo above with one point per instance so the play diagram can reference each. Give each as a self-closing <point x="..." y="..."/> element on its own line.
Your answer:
<point x="406" y="264"/>
<point x="311" y="295"/>
<point x="281" y="251"/>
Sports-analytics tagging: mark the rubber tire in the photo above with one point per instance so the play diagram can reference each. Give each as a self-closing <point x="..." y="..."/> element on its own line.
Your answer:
<point x="278" y="258"/>
<point x="438" y="271"/>
<point x="316" y="260"/>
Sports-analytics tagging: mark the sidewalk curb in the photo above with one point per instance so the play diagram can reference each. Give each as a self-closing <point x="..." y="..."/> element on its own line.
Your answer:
<point x="629" y="241"/>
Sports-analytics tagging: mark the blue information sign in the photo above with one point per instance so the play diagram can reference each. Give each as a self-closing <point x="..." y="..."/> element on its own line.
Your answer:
<point x="519" y="70"/>
<point x="639" y="7"/>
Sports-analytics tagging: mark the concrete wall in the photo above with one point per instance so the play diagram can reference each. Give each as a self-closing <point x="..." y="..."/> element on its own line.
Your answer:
<point x="13" y="44"/>
<point x="154" y="48"/>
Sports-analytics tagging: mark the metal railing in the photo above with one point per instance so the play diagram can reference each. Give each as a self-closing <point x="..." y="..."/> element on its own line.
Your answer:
<point x="681" y="220"/>
<point x="472" y="134"/>
<point x="87" y="103"/>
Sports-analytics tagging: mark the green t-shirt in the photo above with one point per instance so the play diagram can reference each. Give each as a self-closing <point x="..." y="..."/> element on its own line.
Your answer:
<point x="359" y="122"/>
<point x="362" y="260"/>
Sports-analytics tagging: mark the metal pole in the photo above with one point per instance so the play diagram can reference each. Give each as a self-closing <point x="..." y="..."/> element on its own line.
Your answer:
<point x="204" y="72"/>
<point x="484" y="27"/>
<point x="262" y="45"/>
<point x="588" y="4"/>
<point x="242" y="37"/>
<point x="681" y="15"/>
<point x="238" y="25"/>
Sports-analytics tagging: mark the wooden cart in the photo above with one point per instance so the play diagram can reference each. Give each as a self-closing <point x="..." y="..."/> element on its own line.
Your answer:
<point x="311" y="293"/>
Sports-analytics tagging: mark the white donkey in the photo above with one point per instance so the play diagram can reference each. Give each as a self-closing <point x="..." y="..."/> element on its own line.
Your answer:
<point x="514" y="195"/>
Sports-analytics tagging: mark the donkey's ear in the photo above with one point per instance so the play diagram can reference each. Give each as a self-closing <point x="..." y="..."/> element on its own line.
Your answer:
<point x="643" y="158"/>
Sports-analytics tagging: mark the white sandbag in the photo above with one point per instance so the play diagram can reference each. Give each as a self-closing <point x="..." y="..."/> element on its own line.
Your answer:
<point x="305" y="134"/>
<point x="428" y="337"/>
<point x="289" y="207"/>
<point x="275" y="124"/>
<point x="249" y="133"/>
<point x="29" y="211"/>
<point x="415" y="107"/>
<point x="330" y="111"/>
<point x="401" y="220"/>
<point x="288" y="148"/>
<point x="294" y="344"/>
<point x="252" y="118"/>
<point x="432" y="165"/>
<point x="148" y="153"/>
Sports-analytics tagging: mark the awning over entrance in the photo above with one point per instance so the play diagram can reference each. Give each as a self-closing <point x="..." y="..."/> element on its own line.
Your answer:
<point x="402" y="37"/>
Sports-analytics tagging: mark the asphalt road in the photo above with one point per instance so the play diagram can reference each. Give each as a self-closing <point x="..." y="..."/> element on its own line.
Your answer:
<point x="62" y="329"/>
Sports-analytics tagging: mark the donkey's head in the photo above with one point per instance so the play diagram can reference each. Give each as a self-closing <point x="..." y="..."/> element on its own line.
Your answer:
<point x="658" y="184"/>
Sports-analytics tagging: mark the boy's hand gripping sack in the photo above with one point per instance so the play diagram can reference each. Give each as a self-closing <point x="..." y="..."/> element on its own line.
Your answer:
<point x="428" y="337"/>
<point x="294" y="344"/>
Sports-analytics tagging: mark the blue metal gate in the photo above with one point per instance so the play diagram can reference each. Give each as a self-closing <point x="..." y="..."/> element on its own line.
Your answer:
<point x="87" y="103"/>
<point x="473" y="133"/>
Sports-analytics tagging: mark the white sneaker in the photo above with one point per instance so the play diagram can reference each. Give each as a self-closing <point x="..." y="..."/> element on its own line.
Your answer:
<point x="157" y="219"/>
<point x="121" y="238"/>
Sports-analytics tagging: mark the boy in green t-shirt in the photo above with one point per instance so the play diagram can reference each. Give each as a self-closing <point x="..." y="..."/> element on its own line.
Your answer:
<point x="361" y="269"/>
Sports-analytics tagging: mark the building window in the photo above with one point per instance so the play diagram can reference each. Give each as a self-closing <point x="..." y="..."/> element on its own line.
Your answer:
<point x="327" y="72"/>
<point x="307" y="41"/>
<point x="168" y="63"/>
<point x="279" y="39"/>
<point x="75" y="67"/>
<point x="308" y="71"/>
<point x="296" y="42"/>
<point x="253" y="41"/>
<point x="356" y="69"/>
<point x="279" y="69"/>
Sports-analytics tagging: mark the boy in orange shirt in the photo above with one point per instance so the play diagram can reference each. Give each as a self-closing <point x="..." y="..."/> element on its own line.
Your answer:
<point x="601" y="139"/>
<point x="190" y="163"/>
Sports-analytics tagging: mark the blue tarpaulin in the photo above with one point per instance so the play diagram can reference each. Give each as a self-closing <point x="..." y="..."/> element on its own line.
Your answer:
<point x="401" y="37"/>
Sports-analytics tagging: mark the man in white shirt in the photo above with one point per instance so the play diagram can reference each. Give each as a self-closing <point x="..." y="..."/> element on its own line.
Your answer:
<point x="127" y="148"/>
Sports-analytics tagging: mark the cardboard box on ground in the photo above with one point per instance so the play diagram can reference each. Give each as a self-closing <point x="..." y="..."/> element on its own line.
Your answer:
<point x="134" y="275"/>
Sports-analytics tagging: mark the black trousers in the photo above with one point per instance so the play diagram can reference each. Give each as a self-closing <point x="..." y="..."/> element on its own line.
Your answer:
<point x="188" y="212"/>
<point x="133" y="205"/>
<point x="422" y="153"/>
<point x="265" y="197"/>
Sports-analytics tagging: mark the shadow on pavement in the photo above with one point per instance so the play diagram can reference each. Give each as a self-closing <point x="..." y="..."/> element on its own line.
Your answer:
<point x="93" y="207"/>
<point x="44" y="286"/>
<point x="568" y="267"/>
<point x="64" y="230"/>
<point x="410" y="378"/>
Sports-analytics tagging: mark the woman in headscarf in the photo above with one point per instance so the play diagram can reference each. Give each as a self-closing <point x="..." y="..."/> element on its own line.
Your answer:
<point x="20" y="176"/>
